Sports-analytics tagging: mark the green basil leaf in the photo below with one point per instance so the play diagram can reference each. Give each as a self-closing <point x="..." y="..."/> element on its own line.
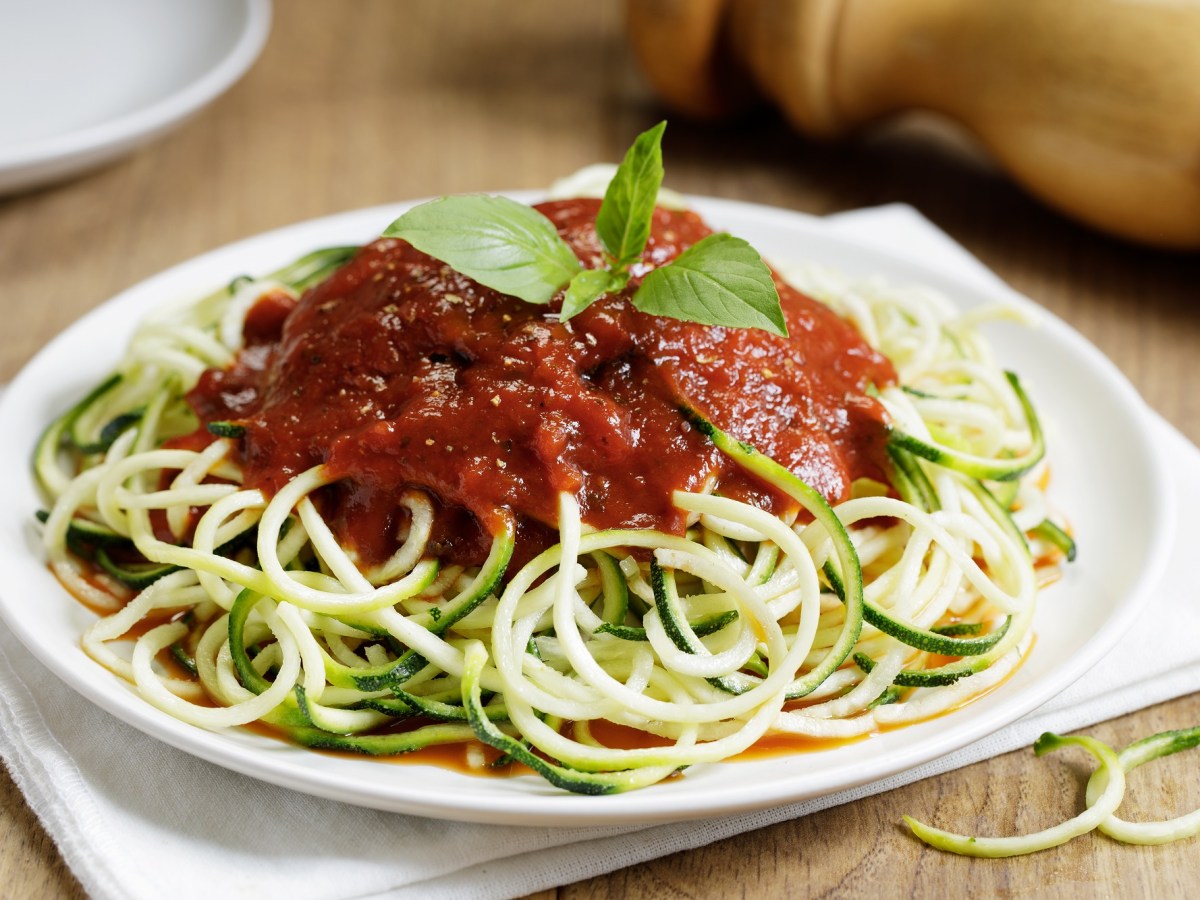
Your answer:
<point x="502" y="244"/>
<point x="720" y="280"/>
<point x="623" y="223"/>
<point x="587" y="287"/>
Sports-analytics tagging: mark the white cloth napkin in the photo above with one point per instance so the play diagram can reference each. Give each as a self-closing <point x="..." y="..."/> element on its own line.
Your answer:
<point x="136" y="819"/>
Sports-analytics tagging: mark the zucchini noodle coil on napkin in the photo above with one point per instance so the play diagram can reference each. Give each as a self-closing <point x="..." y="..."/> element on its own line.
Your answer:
<point x="377" y="507"/>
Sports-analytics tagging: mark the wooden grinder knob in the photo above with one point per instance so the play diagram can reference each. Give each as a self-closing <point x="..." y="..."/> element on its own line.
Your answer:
<point x="1093" y="105"/>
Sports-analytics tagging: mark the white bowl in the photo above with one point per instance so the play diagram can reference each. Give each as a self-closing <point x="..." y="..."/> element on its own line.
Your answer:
<point x="88" y="80"/>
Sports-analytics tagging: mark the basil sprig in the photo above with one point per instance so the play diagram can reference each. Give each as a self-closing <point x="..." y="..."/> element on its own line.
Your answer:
<point x="623" y="223"/>
<point x="514" y="249"/>
<point x="503" y="244"/>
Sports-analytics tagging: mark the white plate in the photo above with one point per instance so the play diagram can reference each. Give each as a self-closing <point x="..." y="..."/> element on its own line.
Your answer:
<point x="87" y="80"/>
<point x="1103" y="462"/>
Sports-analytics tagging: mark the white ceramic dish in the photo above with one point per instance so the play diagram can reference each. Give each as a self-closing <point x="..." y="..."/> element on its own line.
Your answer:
<point x="1098" y="431"/>
<point x="86" y="81"/>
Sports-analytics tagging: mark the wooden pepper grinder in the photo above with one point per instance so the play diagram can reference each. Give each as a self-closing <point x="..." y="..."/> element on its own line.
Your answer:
<point x="1093" y="105"/>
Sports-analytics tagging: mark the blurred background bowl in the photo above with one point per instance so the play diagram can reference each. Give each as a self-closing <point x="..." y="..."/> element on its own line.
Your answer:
<point x="86" y="81"/>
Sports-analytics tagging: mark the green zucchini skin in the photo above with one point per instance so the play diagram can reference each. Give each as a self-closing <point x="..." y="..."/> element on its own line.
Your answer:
<point x="1105" y="791"/>
<point x="410" y="662"/>
<point x="849" y="578"/>
<point x="666" y="601"/>
<point x="1002" y="847"/>
<point x="1138" y="753"/>
<point x="1055" y="535"/>
<point x="702" y="627"/>
<point x="563" y="777"/>
<point x="133" y="575"/>
<point x="226" y="429"/>
<point x="974" y="466"/>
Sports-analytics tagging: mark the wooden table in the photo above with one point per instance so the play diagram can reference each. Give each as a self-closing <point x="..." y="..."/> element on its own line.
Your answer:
<point x="358" y="104"/>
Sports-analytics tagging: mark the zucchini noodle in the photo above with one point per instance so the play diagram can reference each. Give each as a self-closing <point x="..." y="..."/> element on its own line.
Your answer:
<point x="224" y="605"/>
<point x="1105" y="792"/>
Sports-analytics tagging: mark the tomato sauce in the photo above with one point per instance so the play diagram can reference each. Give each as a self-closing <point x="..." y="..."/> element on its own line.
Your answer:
<point x="400" y="373"/>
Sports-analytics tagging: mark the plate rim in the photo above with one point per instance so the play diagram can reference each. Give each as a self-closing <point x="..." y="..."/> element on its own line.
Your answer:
<point x="537" y="807"/>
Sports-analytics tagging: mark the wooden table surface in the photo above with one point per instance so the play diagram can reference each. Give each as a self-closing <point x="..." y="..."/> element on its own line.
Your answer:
<point x="358" y="104"/>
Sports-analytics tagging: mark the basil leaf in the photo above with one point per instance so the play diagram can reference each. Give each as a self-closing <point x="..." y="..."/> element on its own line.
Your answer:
<point x="623" y="223"/>
<point x="720" y="280"/>
<point x="587" y="287"/>
<point x="502" y="244"/>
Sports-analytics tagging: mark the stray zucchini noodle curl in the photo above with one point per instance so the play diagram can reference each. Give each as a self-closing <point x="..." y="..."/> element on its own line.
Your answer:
<point x="902" y="602"/>
<point x="1105" y="791"/>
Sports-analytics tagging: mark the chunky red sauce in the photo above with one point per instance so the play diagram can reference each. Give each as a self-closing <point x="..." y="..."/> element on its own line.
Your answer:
<point x="398" y="372"/>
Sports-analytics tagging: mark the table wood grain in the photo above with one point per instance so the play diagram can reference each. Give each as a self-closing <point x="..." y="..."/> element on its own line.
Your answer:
<point x="358" y="104"/>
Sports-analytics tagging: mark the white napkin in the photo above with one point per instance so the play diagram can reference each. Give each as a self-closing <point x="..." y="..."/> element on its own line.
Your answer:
<point x="112" y="798"/>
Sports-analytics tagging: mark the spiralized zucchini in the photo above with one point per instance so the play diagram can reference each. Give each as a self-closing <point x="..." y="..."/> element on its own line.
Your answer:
<point x="828" y="625"/>
<point x="1105" y="791"/>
